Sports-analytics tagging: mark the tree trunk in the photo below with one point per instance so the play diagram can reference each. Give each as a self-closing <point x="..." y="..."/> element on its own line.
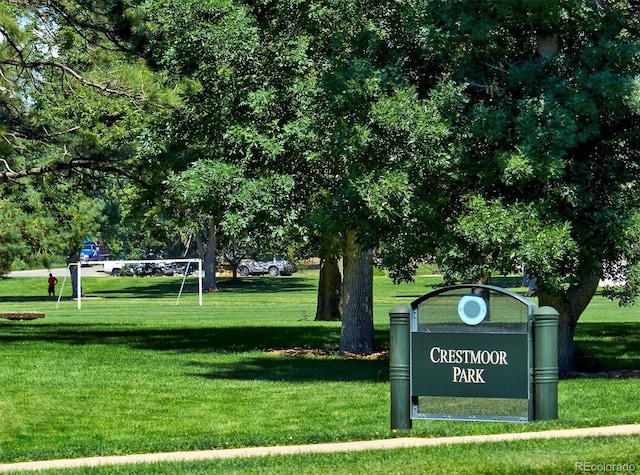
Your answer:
<point x="208" y="252"/>
<point x="547" y="45"/>
<point x="485" y="279"/>
<point x="570" y="305"/>
<point x="234" y="262"/>
<point x="329" y="305"/>
<point x="233" y="257"/>
<point x="357" y="335"/>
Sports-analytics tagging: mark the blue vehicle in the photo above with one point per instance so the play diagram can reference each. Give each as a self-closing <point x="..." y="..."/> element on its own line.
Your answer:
<point x="93" y="251"/>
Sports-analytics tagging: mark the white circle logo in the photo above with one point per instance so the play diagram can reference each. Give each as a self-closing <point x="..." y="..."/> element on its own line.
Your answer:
<point x="472" y="309"/>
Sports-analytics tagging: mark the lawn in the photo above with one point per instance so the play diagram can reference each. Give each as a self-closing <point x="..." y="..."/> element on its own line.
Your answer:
<point x="548" y="457"/>
<point x="132" y="372"/>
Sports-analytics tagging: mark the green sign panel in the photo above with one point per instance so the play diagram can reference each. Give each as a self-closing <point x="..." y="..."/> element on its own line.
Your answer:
<point x="470" y="365"/>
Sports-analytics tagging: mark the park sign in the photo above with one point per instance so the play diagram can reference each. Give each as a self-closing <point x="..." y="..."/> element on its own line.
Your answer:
<point x="471" y="354"/>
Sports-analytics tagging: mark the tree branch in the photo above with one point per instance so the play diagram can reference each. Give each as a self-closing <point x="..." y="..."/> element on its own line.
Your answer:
<point x="82" y="17"/>
<point x="78" y="77"/>
<point x="6" y="164"/>
<point x="11" y="176"/>
<point x="10" y="41"/>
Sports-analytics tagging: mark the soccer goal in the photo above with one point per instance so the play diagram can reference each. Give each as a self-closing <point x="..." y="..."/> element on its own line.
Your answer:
<point x="188" y="263"/>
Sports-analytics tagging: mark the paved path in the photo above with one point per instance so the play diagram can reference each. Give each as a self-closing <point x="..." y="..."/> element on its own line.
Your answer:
<point x="400" y="442"/>
<point x="60" y="272"/>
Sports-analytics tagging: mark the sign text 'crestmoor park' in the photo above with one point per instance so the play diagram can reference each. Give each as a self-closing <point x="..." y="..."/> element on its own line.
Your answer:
<point x="466" y="356"/>
<point x="447" y="364"/>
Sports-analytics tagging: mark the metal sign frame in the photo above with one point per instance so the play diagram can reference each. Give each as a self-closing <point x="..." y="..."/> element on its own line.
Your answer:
<point x="472" y="358"/>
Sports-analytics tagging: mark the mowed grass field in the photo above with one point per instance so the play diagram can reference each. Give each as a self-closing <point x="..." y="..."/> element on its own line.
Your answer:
<point x="136" y="370"/>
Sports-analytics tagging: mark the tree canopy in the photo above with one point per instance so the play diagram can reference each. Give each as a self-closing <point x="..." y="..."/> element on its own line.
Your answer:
<point x="75" y="106"/>
<point x="546" y="152"/>
<point x="483" y="135"/>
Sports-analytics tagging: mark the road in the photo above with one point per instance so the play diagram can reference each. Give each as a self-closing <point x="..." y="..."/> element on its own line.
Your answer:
<point x="93" y="271"/>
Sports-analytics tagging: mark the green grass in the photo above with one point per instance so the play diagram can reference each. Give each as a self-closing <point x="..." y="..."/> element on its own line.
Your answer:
<point x="132" y="372"/>
<point x="535" y="456"/>
<point x="609" y="335"/>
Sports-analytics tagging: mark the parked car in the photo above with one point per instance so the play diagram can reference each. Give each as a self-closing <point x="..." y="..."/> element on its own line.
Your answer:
<point x="190" y="268"/>
<point x="140" y="269"/>
<point x="273" y="266"/>
<point x="93" y="252"/>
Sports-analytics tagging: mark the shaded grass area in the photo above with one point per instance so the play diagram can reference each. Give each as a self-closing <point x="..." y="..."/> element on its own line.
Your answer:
<point x="608" y="336"/>
<point x="237" y="338"/>
<point x="132" y="372"/>
<point x="610" y="346"/>
<point x="20" y="289"/>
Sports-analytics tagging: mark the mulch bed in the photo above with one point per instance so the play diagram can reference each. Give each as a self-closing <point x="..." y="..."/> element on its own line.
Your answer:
<point x="315" y="352"/>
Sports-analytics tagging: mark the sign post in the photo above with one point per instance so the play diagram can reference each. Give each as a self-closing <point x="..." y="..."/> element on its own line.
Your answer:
<point x="471" y="356"/>
<point x="546" y="363"/>
<point x="399" y="368"/>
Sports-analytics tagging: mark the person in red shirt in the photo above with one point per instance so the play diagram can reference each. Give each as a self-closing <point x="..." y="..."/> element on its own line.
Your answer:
<point x="52" y="285"/>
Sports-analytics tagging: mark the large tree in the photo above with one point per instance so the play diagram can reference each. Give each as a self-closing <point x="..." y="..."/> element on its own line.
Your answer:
<point x="547" y="162"/>
<point x="218" y="199"/>
<point x="379" y="143"/>
<point x="315" y="92"/>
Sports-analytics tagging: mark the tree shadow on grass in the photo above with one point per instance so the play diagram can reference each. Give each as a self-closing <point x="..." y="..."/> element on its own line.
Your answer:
<point x="266" y="284"/>
<point x="297" y="369"/>
<point x="159" y="286"/>
<point x="272" y="366"/>
<point x="211" y="339"/>
<point x="136" y="287"/>
<point x="196" y="340"/>
<point x="612" y="345"/>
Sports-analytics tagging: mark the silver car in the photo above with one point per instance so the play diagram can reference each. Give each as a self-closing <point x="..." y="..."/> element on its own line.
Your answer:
<point x="273" y="266"/>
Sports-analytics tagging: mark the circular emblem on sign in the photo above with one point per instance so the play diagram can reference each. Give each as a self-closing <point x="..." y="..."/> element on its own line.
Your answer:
<point x="472" y="309"/>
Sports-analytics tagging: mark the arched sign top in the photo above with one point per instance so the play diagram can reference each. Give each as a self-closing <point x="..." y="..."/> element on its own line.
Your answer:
<point x="471" y="349"/>
<point x="523" y="300"/>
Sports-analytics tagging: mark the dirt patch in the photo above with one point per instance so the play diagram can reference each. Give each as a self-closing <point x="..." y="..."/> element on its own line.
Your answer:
<point x="21" y="315"/>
